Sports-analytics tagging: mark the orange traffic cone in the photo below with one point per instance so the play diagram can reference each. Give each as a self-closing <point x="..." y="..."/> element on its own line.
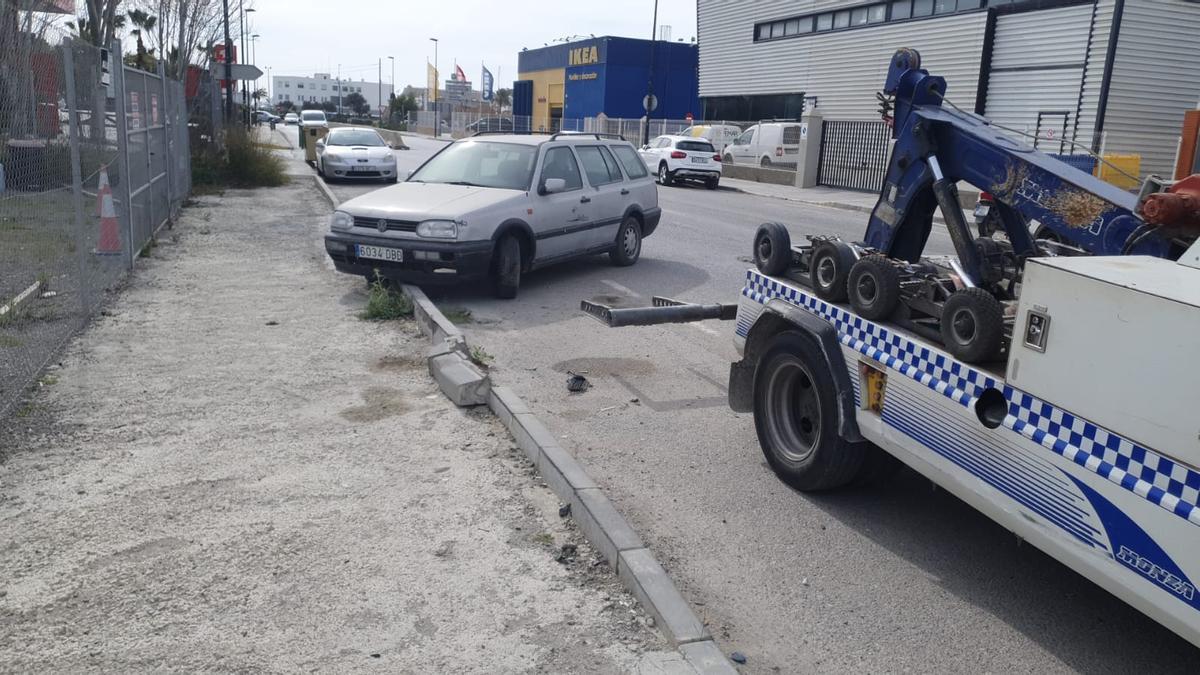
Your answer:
<point x="109" y="242"/>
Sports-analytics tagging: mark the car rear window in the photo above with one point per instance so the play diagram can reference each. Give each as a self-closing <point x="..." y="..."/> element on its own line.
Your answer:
<point x="312" y="116"/>
<point x="630" y="161"/>
<point x="791" y="135"/>
<point x="695" y="146"/>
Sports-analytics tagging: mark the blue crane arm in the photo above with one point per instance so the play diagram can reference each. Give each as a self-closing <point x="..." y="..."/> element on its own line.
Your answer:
<point x="936" y="147"/>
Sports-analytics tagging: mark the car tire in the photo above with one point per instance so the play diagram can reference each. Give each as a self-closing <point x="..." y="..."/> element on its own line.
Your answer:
<point x="728" y="159"/>
<point x="772" y="249"/>
<point x="506" y="267"/>
<point x="829" y="268"/>
<point x="973" y="325"/>
<point x="796" y="418"/>
<point x="873" y="286"/>
<point x="664" y="175"/>
<point x="628" y="247"/>
<point x="321" y="168"/>
<point x="712" y="183"/>
<point x="765" y="163"/>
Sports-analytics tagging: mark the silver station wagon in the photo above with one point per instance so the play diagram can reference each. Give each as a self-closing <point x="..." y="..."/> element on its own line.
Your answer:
<point x="494" y="206"/>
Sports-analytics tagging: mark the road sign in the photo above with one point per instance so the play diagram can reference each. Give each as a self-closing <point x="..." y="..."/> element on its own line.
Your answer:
<point x="650" y="102"/>
<point x="243" y="71"/>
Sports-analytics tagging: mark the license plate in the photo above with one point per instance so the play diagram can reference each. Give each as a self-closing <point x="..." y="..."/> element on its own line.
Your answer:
<point x="981" y="210"/>
<point x="381" y="253"/>
<point x="700" y="160"/>
<point x="360" y="169"/>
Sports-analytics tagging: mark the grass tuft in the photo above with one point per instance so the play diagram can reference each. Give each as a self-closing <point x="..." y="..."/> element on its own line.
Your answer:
<point x="385" y="304"/>
<point x="481" y="358"/>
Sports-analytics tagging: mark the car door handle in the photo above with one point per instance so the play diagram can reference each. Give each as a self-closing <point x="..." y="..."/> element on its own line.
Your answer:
<point x="585" y="199"/>
<point x="624" y="191"/>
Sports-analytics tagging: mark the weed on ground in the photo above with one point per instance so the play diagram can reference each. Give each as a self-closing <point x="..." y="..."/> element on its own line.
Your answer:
<point x="385" y="304"/>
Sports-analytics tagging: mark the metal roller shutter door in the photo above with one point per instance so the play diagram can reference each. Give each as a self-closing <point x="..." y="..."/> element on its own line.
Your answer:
<point x="1038" y="60"/>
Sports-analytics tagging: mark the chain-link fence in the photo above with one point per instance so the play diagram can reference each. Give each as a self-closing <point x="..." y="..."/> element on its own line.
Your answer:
<point x="94" y="159"/>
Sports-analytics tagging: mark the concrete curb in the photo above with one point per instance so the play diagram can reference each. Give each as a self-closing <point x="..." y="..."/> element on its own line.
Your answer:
<point x="601" y="523"/>
<point x="324" y="189"/>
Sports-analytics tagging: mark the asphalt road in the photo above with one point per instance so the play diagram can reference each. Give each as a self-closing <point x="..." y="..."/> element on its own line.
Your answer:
<point x="901" y="577"/>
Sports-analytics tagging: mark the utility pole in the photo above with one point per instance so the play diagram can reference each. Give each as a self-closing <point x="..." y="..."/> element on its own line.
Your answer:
<point x="228" y="66"/>
<point x="339" y="90"/>
<point x="380" y="87"/>
<point x="242" y="39"/>
<point x="650" y="81"/>
<point x="437" y="105"/>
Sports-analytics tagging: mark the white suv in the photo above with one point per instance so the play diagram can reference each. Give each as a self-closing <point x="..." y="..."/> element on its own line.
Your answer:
<point x="495" y="206"/>
<point x="674" y="158"/>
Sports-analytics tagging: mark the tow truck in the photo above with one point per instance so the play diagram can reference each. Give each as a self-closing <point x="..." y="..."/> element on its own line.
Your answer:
<point x="1050" y="384"/>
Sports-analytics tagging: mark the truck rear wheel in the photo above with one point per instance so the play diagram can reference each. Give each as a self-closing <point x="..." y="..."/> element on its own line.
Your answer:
<point x="795" y="416"/>
<point x="830" y="268"/>
<point x="874" y="287"/>
<point x="973" y="325"/>
<point x="772" y="249"/>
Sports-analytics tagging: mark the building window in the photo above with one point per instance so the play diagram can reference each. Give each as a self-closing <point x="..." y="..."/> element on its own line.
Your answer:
<point x="865" y="15"/>
<point x="299" y="85"/>
<point x="287" y="85"/>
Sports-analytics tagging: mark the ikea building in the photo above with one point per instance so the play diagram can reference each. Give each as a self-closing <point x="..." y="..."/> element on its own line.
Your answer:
<point x="604" y="75"/>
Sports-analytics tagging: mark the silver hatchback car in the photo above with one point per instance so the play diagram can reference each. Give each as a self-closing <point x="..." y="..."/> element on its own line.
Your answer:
<point x="495" y="206"/>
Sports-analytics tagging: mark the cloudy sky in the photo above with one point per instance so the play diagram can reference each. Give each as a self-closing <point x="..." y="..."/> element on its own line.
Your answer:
<point x="300" y="37"/>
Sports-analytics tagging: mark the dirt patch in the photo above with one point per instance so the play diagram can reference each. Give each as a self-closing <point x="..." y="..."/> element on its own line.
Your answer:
<point x="378" y="403"/>
<point x="202" y="491"/>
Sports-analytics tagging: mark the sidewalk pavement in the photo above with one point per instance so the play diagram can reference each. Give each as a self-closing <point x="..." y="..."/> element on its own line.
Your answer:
<point x="231" y="471"/>
<point x="847" y="200"/>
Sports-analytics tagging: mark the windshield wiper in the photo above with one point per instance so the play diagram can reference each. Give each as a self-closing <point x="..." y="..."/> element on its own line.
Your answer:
<point x="463" y="182"/>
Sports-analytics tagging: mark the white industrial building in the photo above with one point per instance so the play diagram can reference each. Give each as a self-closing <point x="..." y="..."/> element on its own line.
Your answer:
<point x="1112" y="73"/>
<point x="325" y="87"/>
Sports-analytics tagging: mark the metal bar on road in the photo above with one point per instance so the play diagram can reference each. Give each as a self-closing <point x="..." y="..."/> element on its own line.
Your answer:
<point x="123" y="144"/>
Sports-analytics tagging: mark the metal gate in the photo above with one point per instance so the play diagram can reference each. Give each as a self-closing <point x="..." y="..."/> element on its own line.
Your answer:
<point x="854" y="155"/>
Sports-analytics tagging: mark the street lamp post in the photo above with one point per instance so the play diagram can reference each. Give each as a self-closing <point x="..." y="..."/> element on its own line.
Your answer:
<point x="393" y="85"/>
<point x="437" y="105"/>
<point x="254" y="62"/>
<point x="650" y="81"/>
<point x="228" y="66"/>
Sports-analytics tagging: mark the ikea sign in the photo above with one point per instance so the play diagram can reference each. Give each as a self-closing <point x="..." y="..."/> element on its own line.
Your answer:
<point x="582" y="56"/>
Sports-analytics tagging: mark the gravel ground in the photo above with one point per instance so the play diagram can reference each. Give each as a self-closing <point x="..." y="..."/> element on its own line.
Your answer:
<point x="229" y="470"/>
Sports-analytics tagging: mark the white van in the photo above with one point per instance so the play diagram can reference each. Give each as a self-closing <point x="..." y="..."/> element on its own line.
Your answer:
<point x="768" y="144"/>
<point x="720" y="135"/>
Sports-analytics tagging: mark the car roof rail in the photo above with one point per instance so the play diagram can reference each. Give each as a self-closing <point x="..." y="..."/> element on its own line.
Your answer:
<point x="597" y="135"/>
<point x="510" y="132"/>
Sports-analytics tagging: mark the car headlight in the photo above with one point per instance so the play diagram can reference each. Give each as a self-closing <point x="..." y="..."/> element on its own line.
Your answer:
<point x="341" y="221"/>
<point x="438" y="229"/>
<point x="389" y="158"/>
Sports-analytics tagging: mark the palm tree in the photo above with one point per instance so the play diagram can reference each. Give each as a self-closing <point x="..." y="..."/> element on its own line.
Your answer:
<point x="142" y="21"/>
<point x="504" y="98"/>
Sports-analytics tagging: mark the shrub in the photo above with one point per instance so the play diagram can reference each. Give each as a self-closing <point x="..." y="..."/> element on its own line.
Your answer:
<point x="385" y="304"/>
<point x="243" y="163"/>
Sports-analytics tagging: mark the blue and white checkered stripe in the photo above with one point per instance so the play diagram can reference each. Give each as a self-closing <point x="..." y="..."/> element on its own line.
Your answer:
<point x="1157" y="479"/>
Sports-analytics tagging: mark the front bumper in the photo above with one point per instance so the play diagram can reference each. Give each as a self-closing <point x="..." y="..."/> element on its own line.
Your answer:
<point x="425" y="262"/>
<point x="371" y="171"/>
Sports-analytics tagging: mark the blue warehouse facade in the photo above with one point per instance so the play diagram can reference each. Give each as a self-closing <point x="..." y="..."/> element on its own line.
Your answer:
<point x="605" y="75"/>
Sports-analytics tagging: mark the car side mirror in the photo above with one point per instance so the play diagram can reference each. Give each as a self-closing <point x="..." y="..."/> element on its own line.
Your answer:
<point x="320" y="143"/>
<point x="552" y="185"/>
<point x="645" y="147"/>
<point x="390" y="147"/>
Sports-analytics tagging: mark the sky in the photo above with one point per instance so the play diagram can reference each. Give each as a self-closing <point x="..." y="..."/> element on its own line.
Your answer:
<point x="301" y="37"/>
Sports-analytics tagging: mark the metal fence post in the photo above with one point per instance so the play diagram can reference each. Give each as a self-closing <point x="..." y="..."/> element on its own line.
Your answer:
<point x="76" y="172"/>
<point x="118" y="77"/>
<point x="164" y="109"/>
